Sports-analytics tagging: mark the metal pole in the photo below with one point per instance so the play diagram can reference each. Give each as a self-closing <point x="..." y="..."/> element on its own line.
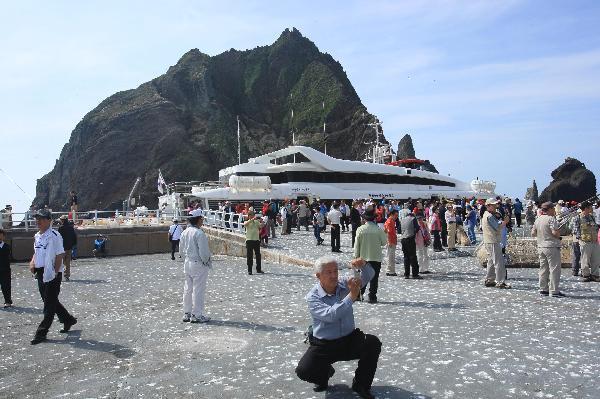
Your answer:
<point x="239" y="145"/>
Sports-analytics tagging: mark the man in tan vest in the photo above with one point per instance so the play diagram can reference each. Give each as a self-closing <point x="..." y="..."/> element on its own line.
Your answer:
<point x="492" y="236"/>
<point x="547" y="232"/>
<point x="585" y="230"/>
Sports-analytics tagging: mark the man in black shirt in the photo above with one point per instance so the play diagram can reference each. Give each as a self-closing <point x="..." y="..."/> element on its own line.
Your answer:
<point x="69" y="237"/>
<point x="5" y="277"/>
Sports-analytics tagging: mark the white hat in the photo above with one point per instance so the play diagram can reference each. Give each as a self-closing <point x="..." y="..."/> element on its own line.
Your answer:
<point x="491" y="201"/>
<point x="197" y="213"/>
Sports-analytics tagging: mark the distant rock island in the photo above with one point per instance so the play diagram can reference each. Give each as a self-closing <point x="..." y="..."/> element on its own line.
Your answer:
<point x="184" y="122"/>
<point x="572" y="181"/>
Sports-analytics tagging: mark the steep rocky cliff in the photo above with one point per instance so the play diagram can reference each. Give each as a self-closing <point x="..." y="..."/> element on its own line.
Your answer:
<point x="184" y="122"/>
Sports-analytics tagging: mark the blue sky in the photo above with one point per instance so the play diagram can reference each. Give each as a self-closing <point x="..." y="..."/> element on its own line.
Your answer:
<point x="501" y="90"/>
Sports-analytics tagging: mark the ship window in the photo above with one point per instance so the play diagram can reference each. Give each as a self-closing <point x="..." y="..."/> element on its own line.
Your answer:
<point x="340" y="177"/>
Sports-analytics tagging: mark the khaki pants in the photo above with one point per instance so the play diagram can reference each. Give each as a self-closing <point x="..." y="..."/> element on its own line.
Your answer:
<point x="549" y="269"/>
<point x="496" y="269"/>
<point x="451" y="235"/>
<point x="67" y="262"/>
<point x="590" y="258"/>
<point x="391" y="256"/>
<point x="423" y="258"/>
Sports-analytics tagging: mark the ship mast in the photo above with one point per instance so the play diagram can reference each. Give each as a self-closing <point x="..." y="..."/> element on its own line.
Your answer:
<point x="238" y="137"/>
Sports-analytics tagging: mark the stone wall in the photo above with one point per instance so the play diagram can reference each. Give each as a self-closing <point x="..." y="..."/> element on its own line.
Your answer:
<point x="523" y="252"/>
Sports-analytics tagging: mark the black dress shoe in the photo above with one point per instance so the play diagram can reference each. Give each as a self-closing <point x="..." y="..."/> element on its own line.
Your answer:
<point x="426" y="272"/>
<point x="372" y="299"/>
<point x="37" y="340"/>
<point x="417" y="277"/>
<point x="67" y="326"/>
<point x="391" y="274"/>
<point x="544" y="293"/>
<point x="260" y="272"/>
<point x="323" y="387"/>
<point x="363" y="392"/>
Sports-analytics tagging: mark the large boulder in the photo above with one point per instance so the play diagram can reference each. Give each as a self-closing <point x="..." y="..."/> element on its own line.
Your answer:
<point x="572" y="181"/>
<point x="532" y="193"/>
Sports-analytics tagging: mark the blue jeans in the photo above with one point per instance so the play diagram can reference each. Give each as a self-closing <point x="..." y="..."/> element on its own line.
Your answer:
<point x="317" y="231"/>
<point x="471" y="232"/>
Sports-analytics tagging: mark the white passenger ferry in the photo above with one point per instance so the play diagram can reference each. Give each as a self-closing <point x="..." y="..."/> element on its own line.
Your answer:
<point x="303" y="172"/>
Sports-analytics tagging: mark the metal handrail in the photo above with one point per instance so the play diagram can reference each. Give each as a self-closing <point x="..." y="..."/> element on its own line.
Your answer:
<point x="24" y="221"/>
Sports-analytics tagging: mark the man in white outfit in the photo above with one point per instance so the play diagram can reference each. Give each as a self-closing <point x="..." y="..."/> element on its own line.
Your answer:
<point x="193" y="246"/>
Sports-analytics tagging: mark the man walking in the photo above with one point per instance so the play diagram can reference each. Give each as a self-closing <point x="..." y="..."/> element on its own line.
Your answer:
<point x="492" y="236"/>
<point x="392" y="241"/>
<point x="334" y="218"/>
<point x="450" y="216"/>
<point x="175" y="231"/>
<point x="545" y="229"/>
<point x="334" y="336"/>
<point x="69" y="237"/>
<point x="369" y="240"/>
<point x="197" y="263"/>
<point x="410" y="227"/>
<point x="47" y="265"/>
<point x="303" y="215"/>
<point x="586" y="231"/>
<point x="252" y="226"/>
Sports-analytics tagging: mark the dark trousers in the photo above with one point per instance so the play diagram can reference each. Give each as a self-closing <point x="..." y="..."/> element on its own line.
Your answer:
<point x="409" y="250"/>
<point x="444" y="235"/>
<point x="354" y="228"/>
<point x="437" y="241"/>
<point x="518" y="219"/>
<point x="49" y="292"/>
<point x="174" y="248"/>
<point x="253" y="245"/>
<point x="374" y="283"/>
<point x="317" y="233"/>
<point x="289" y="224"/>
<point x="303" y="222"/>
<point x="335" y="237"/>
<point x="5" y="284"/>
<point x="321" y="354"/>
<point x="576" y="258"/>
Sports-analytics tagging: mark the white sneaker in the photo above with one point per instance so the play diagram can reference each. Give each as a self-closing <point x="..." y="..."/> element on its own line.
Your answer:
<point x="186" y="317"/>
<point x="201" y="319"/>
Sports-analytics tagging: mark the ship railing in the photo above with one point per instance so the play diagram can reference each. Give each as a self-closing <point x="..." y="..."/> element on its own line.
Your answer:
<point x="25" y="221"/>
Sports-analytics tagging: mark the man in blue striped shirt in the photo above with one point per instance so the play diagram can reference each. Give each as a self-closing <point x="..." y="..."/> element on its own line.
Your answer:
<point x="334" y="336"/>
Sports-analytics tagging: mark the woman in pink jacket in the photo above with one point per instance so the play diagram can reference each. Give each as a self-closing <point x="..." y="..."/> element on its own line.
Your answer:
<point x="436" y="229"/>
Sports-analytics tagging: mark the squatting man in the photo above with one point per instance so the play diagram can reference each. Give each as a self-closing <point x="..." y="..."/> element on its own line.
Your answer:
<point x="334" y="336"/>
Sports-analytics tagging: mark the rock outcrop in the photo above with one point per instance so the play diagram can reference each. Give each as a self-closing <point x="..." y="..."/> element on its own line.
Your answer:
<point x="184" y="122"/>
<point x="406" y="150"/>
<point x="532" y="193"/>
<point x="572" y="181"/>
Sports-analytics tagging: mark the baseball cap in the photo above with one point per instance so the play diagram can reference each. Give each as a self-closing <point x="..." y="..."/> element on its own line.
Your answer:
<point x="43" y="213"/>
<point x="547" y="205"/>
<point x="196" y="213"/>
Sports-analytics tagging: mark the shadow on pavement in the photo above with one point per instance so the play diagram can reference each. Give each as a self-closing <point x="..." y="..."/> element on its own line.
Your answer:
<point x="250" y="326"/>
<point x="340" y="391"/>
<point x="88" y="281"/>
<point x="23" y="309"/>
<point x="74" y="339"/>
<point x="428" y="305"/>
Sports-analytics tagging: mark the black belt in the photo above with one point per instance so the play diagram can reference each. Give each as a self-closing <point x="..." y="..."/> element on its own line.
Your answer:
<point x="317" y="341"/>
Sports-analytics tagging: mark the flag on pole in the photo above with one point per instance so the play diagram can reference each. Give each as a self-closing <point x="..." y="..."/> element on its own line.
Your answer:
<point x="161" y="182"/>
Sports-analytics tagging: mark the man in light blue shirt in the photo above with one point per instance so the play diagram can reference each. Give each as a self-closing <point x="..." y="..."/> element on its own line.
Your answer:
<point x="334" y="336"/>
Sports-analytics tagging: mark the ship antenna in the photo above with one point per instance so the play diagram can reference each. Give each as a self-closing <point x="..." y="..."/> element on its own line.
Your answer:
<point x="324" y="134"/>
<point x="239" y="145"/>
